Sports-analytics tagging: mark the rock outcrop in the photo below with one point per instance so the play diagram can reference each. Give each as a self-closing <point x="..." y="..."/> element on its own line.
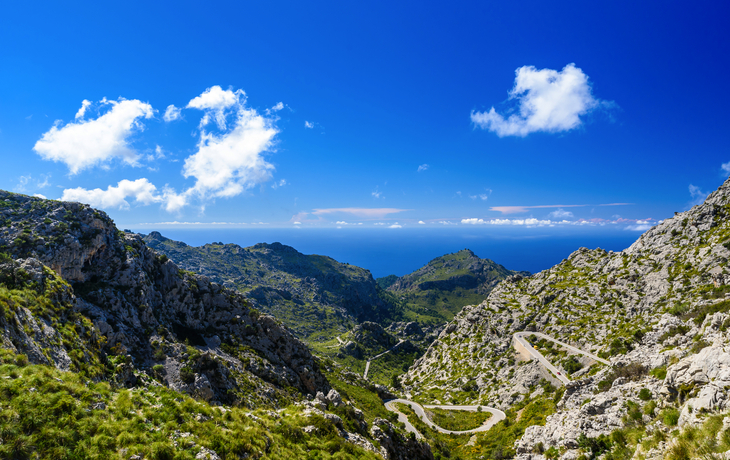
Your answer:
<point x="657" y="307"/>
<point x="209" y="338"/>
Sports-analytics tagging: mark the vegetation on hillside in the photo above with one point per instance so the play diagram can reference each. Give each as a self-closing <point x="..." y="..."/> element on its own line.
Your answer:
<point x="434" y="293"/>
<point x="45" y="413"/>
<point x="458" y="420"/>
<point x="315" y="296"/>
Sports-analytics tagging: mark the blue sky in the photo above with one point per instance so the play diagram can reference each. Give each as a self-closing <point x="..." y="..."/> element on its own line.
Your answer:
<point x="334" y="114"/>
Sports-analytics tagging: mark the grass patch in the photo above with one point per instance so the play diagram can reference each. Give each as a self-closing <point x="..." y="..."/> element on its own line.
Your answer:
<point x="46" y="413"/>
<point x="457" y="420"/>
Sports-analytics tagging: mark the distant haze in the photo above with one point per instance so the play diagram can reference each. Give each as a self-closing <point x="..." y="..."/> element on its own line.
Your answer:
<point x="401" y="251"/>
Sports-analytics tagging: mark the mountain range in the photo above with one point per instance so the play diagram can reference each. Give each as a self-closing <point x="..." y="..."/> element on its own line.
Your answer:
<point x="113" y="346"/>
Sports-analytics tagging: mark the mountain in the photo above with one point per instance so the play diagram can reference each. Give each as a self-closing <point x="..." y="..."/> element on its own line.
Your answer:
<point x="657" y="310"/>
<point x="110" y="350"/>
<point x="316" y="296"/>
<point x="440" y="289"/>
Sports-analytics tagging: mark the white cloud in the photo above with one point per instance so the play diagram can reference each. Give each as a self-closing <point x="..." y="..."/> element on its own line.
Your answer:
<point x="377" y="193"/>
<point x="698" y="196"/>
<point x="227" y="164"/>
<point x="274" y="109"/>
<point x="82" y="111"/>
<point x="46" y="182"/>
<point x="423" y="167"/>
<point x="446" y="222"/>
<point x="520" y="209"/>
<point x="547" y="100"/>
<point x="174" y="201"/>
<point x="158" y="155"/>
<point x="141" y="190"/>
<point x="308" y="124"/>
<point x="87" y="143"/>
<point x="22" y="182"/>
<point x="215" y="98"/>
<point x="726" y="167"/>
<point x="396" y="225"/>
<point x="422" y="222"/>
<point x="638" y="227"/>
<point x="38" y="195"/>
<point x="473" y="221"/>
<point x="25" y="183"/>
<point x="481" y="196"/>
<point x="214" y="101"/>
<point x="636" y="224"/>
<point x="172" y="113"/>
<point x="560" y="214"/>
<point x="297" y="223"/>
<point x="528" y="222"/>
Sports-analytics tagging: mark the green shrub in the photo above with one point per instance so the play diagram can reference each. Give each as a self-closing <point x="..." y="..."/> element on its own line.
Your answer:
<point x="162" y="451"/>
<point x="660" y="373"/>
<point x="159" y="354"/>
<point x="596" y="446"/>
<point x="552" y="453"/>
<point x="571" y="365"/>
<point x="645" y="394"/>
<point x="632" y="371"/>
<point x="158" y="370"/>
<point x="634" y="414"/>
<point x="187" y="375"/>
<point x="21" y="360"/>
<point x="649" y="408"/>
<point x="670" y="416"/>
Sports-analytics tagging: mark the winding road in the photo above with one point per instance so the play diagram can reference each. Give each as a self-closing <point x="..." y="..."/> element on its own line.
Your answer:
<point x="519" y="338"/>
<point x="497" y="416"/>
<point x="521" y="345"/>
<point x="367" y="364"/>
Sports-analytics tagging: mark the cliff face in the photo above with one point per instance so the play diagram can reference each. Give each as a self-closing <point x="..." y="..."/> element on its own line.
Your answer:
<point x="657" y="308"/>
<point x="199" y="336"/>
<point x="316" y="296"/>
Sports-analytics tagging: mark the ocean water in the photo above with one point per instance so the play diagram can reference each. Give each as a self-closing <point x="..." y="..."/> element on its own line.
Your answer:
<point x="386" y="251"/>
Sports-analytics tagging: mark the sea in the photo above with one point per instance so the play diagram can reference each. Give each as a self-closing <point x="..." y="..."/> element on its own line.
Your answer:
<point x="399" y="251"/>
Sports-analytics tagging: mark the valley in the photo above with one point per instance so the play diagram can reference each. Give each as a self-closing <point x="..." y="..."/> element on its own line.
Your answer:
<point x="620" y="354"/>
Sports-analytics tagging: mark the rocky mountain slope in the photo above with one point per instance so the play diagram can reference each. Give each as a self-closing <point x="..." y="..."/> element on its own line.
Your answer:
<point x="437" y="291"/>
<point x="147" y="308"/>
<point x="657" y="310"/>
<point x="109" y="313"/>
<point x="316" y="296"/>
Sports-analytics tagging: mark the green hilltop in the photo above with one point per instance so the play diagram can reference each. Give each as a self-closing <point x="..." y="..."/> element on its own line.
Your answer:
<point x="434" y="293"/>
